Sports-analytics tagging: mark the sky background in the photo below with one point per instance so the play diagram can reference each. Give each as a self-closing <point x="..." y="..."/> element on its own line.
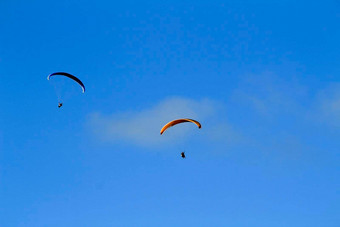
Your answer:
<point x="262" y="78"/>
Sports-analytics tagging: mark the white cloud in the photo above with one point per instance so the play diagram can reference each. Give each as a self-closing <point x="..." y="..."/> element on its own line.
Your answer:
<point x="284" y="110"/>
<point x="143" y="127"/>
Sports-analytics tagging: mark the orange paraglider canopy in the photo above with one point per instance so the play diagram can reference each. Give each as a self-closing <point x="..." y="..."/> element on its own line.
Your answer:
<point x="178" y="121"/>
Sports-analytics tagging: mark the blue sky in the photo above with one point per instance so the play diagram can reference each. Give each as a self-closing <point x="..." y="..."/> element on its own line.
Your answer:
<point x="262" y="77"/>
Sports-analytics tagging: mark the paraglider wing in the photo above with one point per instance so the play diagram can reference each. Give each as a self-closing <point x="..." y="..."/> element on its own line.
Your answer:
<point x="69" y="76"/>
<point x="178" y="121"/>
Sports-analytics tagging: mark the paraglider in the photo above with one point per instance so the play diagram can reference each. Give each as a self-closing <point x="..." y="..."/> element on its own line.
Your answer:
<point x="77" y="80"/>
<point x="178" y="121"/>
<point x="69" y="76"/>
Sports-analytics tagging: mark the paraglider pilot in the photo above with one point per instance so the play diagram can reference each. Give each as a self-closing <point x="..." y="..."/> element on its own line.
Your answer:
<point x="182" y="155"/>
<point x="60" y="104"/>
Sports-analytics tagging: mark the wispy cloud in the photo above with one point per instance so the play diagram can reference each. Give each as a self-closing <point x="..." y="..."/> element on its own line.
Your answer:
<point x="143" y="127"/>
<point x="269" y="95"/>
<point x="328" y="105"/>
<point x="264" y="115"/>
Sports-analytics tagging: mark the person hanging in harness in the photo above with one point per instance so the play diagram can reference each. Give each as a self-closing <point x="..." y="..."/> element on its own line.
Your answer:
<point x="183" y="155"/>
<point x="60" y="104"/>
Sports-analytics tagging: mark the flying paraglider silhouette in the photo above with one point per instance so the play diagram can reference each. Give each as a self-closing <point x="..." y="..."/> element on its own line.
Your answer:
<point x="77" y="80"/>
<point x="179" y="121"/>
